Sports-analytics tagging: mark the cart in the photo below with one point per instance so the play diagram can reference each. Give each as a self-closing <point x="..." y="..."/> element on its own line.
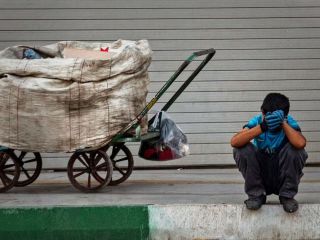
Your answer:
<point x="91" y="169"/>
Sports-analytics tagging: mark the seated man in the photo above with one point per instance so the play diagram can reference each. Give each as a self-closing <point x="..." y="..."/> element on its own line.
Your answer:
<point x="273" y="163"/>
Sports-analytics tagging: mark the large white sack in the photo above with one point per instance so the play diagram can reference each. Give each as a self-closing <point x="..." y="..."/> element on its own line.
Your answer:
<point x="57" y="104"/>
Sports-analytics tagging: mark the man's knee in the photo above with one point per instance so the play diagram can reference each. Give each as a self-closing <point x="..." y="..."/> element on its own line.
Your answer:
<point x="291" y="156"/>
<point x="243" y="155"/>
<point x="243" y="152"/>
<point x="293" y="153"/>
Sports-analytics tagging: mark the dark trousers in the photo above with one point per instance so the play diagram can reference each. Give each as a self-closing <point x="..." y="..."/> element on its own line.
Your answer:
<point x="277" y="173"/>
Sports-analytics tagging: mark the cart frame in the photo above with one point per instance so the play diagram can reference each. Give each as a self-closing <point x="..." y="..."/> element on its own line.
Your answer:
<point x="97" y="163"/>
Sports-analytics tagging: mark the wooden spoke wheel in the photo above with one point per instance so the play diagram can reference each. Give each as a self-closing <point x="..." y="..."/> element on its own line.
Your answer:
<point x="89" y="171"/>
<point x="30" y="167"/>
<point x="9" y="170"/>
<point x="122" y="162"/>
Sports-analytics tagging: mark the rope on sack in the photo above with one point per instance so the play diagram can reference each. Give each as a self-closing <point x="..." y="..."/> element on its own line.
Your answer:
<point x="70" y="138"/>
<point x="79" y="114"/>
<point x="18" y="95"/>
<point x="10" y="116"/>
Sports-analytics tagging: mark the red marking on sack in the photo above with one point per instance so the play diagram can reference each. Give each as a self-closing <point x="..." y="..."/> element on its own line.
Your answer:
<point x="104" y="50"/>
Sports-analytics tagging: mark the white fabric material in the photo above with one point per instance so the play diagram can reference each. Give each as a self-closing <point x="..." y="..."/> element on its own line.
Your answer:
<point x="56" y="104"/>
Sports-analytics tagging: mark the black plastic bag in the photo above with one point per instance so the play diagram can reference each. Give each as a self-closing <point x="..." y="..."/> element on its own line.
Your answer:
<point x="171" y="144"/>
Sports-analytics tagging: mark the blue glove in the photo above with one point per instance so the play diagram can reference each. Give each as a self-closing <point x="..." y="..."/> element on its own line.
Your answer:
<point x="274" y="119"/>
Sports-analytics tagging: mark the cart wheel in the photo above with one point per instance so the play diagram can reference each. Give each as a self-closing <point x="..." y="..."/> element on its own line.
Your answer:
<point x="9" y="171"/>
<point x="30" y="167"/>
<point x="122" y="162"/>
<point x="89" y="171"/>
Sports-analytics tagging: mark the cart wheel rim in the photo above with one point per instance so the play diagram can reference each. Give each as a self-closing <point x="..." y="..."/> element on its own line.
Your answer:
<point x="122" y="162"/>
<point x="30" y="167"/>
<point x="9" y="171"/>
<point x="89" y="171"/>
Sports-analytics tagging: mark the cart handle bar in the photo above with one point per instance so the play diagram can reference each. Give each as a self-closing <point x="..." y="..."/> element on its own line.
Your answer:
<point x="209" y="52"/>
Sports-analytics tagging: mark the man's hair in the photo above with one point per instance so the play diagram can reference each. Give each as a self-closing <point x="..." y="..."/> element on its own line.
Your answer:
<point x="275" y="101"/>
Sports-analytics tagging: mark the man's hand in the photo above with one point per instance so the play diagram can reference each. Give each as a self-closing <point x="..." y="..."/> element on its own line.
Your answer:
<point x="274" y="119"/>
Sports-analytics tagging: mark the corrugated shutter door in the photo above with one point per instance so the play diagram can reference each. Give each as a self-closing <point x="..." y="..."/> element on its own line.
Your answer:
<point x="262" y="46"/>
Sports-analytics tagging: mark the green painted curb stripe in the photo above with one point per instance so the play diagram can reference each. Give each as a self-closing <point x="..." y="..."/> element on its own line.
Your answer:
<point x="107" y="222"/>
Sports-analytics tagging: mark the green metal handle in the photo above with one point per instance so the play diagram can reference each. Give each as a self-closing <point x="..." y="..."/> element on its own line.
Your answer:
<point x="205" y="52"/>
<point x="209" y="52"/>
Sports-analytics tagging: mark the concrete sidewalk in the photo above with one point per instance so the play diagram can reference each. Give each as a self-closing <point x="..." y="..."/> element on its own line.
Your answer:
<point x="163" y="204"/>
<point x="202" y="186"/>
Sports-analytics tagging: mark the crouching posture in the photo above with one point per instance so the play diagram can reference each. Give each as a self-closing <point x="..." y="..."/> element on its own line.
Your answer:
<point x="273" y="163"/>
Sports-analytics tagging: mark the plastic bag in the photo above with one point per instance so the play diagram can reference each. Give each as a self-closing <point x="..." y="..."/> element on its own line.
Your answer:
<point x="171" y="144"/>
<point x="30" y="54"/>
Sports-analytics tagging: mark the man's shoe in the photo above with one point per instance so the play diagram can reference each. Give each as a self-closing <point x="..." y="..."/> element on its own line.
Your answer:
<point x="254" y="203"/>
<point x="290" y="205"/>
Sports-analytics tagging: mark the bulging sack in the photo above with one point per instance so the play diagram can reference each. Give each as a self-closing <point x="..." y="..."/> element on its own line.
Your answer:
<point x="57" y="104"/>
<point x="171" y="143"/>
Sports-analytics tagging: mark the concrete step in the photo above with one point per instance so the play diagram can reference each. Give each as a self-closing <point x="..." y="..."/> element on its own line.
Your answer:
<point x="232" y="221"/>
<point x="167" y="204"/>
<point x="159" y="222"/>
